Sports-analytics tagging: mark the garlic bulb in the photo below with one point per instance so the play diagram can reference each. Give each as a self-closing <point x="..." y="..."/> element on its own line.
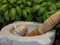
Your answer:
<point x="20" y="30"/>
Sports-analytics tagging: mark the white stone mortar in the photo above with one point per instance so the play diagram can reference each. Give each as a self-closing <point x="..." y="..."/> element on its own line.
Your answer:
<point x="10" y="39"/>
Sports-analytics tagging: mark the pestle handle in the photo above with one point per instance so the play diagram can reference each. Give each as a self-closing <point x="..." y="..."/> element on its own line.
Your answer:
<point x="48" y="24"/>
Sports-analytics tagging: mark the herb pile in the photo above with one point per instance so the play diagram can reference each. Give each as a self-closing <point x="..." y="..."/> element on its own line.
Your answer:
<point x="28" y="10"/>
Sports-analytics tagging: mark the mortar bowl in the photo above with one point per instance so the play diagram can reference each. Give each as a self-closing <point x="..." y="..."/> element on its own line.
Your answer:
<point x="11" y="39"/>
